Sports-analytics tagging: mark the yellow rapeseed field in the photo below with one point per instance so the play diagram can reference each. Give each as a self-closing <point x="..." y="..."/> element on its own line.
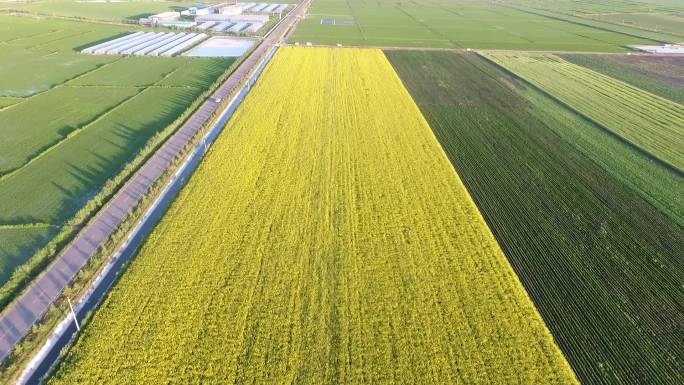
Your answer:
<point x="325" y="239"/>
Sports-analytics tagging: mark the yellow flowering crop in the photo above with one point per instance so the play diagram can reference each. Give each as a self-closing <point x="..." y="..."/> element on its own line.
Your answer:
<point x="325" y="239"/>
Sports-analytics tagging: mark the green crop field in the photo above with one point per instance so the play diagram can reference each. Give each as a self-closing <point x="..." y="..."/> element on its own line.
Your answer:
<point x="71" y="122"/>
<point x="326" y="241"/>
<point x="647" y="121"/>
<point x="660" y="75"/>
<point x="16" y="242"/>
<point x="666" y="23"/>
<point x="132" y="72"/>
<point x="451" y="24"/>
<point x="656" y="37"/>
<point x="663" y="16"/>
<point x="6" y="101"/>
<point x="98" y="10"/>
<point x="114" y="11"/>
<point x="40" y="54"/>
<point x="601" y="263"/>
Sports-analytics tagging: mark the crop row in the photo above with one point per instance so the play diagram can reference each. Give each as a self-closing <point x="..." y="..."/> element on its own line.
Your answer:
<point x="643" y="119"/>
<point x="657" y="184"/>
<point x="325" y="239"/>
<point x="602" y="265"/>
<point x="661" y="75"/>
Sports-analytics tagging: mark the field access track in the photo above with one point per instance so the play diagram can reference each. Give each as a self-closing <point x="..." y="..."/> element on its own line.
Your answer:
<point x="30" y="307"/>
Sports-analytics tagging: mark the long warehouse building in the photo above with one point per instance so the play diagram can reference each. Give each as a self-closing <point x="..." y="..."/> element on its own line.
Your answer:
<point x="110" y="42"/>
<point x="270" y="8"/>
<point x="185" y="45"/>
<point x="222" y="26"/>
<point x="139" y="46"/>
<point x="111" y="48"/>
<point x="146" y="39"/>
<point x="150" y="44"/>
<point x="162" y="43"/>
<point x="206" y="25"/>
<point x="172" y="44"/>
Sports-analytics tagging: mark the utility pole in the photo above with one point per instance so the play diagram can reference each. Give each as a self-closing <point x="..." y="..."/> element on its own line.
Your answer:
<point x="73" y="314"/>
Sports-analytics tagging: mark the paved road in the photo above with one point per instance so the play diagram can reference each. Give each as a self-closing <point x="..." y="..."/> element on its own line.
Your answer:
<point x="31" y="306"/>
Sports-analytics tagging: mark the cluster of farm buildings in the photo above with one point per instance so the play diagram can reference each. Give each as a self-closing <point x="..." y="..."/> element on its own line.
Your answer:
<point x="224" y="17"/>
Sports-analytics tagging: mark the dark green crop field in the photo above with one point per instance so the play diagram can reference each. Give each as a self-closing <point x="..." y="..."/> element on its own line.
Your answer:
<point x="16" y="242"/>
<point x="450" y="24"/>
<point x="34" y="126"/>
<point x="671" y="23"/>
<point x="6" y="101"/>
<point x="661" y="75"/>
<point x="658" y="185"/>
<point x="601" y="263"/>
<point x="71" y="122"/>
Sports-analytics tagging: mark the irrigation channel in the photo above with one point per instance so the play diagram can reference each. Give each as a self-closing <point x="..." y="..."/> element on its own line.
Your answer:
<point x="30" y="307"/>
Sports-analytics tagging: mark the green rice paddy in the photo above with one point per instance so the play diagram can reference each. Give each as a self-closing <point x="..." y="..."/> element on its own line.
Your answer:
<point x="451" y="24"/>
<point x="118" y="11"/>
<point x="71" y="122"/>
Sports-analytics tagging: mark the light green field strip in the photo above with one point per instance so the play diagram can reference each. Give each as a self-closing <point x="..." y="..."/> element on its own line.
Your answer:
<point x="156" y="71"/>
<point x="660" y="75"/>
<point x="147" y="73"/>
<point x="652" y="123"/>
<point x="55" y="186"/>
<point x="118" y="78"/>
<point x="35" y="72"/>
<point x="196" y="73"/>
<point x="325" y="239"/>
<point x="19" y="242"/>
<point x="658" y="22"/>
<point x="46" y="119"/>
<point x="38" y="54"/>
<point x="640" y="17"/>
<point x="9" y="101"/>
